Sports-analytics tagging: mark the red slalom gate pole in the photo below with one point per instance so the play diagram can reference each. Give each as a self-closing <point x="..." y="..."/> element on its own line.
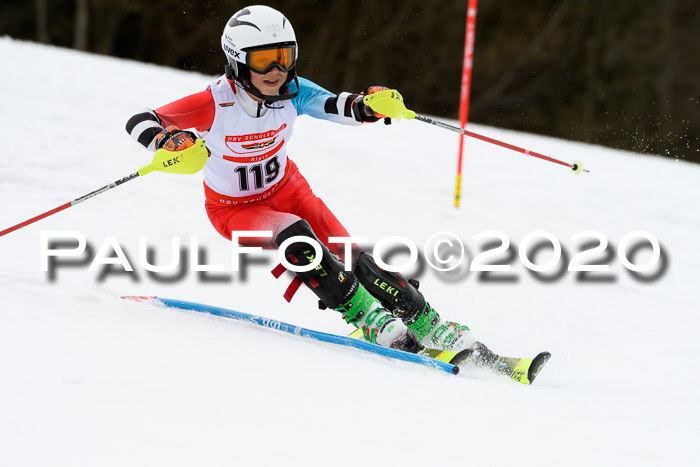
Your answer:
<point x="465" y="89"/>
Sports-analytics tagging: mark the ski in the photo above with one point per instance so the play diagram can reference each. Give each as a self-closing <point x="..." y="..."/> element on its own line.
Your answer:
<point x="447" y="356"/>
<point x="522" y="370"/>
<point x="441" y="363"/>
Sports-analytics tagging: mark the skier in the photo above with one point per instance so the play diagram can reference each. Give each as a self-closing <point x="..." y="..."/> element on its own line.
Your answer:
<point x="246" y="118"/>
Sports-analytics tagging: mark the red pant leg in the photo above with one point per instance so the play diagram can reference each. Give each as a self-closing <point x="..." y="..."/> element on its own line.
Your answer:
<point x="253" y="216"/>
<point x="293" y="201"/>
<point x="299" y="199"/>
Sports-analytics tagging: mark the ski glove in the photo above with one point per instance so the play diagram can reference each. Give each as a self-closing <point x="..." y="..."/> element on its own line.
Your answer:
<point x="175" y="139"/>
<point x="365" y="112"/>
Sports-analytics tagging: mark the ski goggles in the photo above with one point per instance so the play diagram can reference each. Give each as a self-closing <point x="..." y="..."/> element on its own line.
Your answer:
<point x="263" y="59"/>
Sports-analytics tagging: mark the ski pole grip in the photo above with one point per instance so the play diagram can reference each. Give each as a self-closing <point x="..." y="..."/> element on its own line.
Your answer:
<point x="389" y="103"/>
<point x="185" y="162"/>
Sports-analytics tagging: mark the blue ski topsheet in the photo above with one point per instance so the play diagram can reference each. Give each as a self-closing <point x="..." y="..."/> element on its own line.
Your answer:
<point x="307" y="333"/>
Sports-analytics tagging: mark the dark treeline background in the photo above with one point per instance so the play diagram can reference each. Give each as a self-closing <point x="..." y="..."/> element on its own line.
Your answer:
<point x="623" y="73"/>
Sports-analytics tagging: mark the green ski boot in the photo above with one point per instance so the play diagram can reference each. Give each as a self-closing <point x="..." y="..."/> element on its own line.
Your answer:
<point x="432" y="332"/>
<point x="378" y="325"/>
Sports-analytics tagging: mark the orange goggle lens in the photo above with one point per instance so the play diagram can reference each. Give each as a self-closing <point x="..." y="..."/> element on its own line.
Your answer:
<point x="262" y="61"/>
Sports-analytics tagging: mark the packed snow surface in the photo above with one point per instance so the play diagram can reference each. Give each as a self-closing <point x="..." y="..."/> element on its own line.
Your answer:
<point x="89" y="379"/>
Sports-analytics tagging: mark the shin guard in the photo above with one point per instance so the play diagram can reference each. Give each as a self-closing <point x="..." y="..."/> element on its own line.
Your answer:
<point x="392" y="290"/>
<point x="329" y="281"/>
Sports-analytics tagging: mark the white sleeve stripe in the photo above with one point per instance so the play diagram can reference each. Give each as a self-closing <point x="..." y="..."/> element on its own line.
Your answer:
<point x="146" y="114"/>
<point x="142" y="126"/>
<point x="341" y="104"/>
<point x="147" y="137"/>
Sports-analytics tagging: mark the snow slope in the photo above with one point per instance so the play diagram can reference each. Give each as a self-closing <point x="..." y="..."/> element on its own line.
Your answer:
<point x="88" y="379"/>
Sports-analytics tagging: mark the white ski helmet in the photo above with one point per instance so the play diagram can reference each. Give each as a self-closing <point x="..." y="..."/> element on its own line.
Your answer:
<point x="260" y="38"/>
